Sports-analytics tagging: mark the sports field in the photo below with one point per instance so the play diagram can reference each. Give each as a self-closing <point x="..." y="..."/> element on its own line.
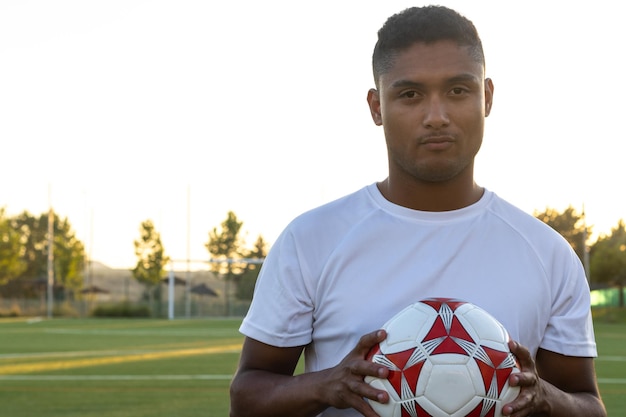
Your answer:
<point x="180" y="368"/>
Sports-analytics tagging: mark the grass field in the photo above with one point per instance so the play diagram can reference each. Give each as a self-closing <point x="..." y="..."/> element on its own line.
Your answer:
<point x="180" y="368"/>
<point x="117" y="368"/>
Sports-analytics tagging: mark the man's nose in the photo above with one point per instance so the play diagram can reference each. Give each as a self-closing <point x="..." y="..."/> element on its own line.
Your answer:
<point x="436" y="113"/>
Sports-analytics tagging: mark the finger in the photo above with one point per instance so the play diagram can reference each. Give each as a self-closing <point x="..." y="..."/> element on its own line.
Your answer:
<point x="353" y="392"/>
<point x="364" y="408"/>
<point x="524" y="379"/>
<point x="368" y="341"/>
<point x="520" y="404"/>
<point x="522" y="354"/>
<point x="363" y="349"/>
<point x="526" y="376"/>
<point x="365" y="391"/>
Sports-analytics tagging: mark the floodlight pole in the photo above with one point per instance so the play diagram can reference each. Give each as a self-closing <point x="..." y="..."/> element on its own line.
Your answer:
<point x="188" y="274"/>
<point x="585" y="248"/>
<point x="50" y="286"/>
<point x="170" y="293"/>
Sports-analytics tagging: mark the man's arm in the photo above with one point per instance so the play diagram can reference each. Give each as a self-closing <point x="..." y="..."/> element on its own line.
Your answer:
<point x="554" y="385"/>
<point x="264" y="384"/>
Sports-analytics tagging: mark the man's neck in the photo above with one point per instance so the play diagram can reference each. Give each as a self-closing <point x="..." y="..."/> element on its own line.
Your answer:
<point x="431" y="196"/>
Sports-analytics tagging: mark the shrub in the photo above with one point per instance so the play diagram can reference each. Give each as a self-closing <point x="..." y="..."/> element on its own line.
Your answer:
<point x="609" y="314"/>
<point x="121" y="310"/>
<point x="65" y="309"/>
<point x="14" y="311"/>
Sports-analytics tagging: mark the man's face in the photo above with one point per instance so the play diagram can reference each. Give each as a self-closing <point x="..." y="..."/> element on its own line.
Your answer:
<point x="432" y="104"/>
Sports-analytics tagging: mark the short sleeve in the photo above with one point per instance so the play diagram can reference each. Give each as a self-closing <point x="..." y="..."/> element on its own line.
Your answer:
<point x="281" y="313"/>
<point x="570" y="329"/>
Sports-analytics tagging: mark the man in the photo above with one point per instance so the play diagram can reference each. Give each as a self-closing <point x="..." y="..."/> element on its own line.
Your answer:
<point x="338" y="272"/>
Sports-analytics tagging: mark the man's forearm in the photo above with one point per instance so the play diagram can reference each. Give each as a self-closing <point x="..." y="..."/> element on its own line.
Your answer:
<point x="256" y="393"/>
<point x="563" y="404"/>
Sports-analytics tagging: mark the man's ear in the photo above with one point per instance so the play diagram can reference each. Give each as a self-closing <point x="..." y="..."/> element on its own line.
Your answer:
<point x="488" y="96"/>
<point x="373" y="99"/>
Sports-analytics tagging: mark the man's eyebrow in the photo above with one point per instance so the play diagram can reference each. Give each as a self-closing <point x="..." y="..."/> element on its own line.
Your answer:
<point x="406" y="83"/>
<point x="460" y="78"/>
<point x="471" y="78"/>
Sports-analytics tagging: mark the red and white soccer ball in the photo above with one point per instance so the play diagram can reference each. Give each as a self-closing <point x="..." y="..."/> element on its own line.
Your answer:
<point x="447" y="358"/>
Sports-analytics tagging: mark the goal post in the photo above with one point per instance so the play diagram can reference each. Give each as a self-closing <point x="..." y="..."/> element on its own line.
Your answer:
<point x="172" y="279"/>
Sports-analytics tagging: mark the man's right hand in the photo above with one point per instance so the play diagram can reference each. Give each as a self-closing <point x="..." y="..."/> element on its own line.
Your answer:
<point x="264" y="384"/>
<point x="346" y="388"/>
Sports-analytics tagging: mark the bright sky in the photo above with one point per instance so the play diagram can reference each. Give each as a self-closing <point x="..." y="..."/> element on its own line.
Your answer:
<point x="118" y="111"/>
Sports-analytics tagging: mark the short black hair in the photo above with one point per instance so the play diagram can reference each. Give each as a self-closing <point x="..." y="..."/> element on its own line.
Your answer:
<point x="426" y="24"/>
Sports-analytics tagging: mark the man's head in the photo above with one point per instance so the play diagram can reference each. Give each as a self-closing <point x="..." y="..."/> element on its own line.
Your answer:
<point x="427" y="25"/>
<point x="431" y="99"/>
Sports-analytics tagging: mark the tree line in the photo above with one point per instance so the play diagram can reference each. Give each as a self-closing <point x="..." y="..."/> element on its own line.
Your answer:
<point x="229" y="257"/>
<point x="24" y="243"/>
<point x="24" y="251"/>
<point x="604" y="259"/>
<point x="24" y="246"/>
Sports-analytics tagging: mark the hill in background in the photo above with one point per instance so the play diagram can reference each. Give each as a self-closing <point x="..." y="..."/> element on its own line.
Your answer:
<point x="120" y="284"/>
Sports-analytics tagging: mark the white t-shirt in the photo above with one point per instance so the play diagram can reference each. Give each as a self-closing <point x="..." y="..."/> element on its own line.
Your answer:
<point x="343" y="269"/>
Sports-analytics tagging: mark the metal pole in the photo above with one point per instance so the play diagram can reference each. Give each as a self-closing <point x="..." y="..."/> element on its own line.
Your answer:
<point x="50" y="286"/>
<point x="170" y="293"/>
<point x="227" y="291"/>
<point x="586" y="248"/>
<point x="188" y="274"/>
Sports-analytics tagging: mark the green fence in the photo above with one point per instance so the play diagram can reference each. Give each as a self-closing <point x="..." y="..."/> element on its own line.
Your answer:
<point x="607" y="297"/>
<point x="198" y="307"/>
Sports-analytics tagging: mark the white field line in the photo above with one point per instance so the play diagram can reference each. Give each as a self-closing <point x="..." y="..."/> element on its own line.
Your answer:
<point x="612" y="381"/>
<point x="142" y="332"/>
<point x="115" y="377"/>
<point x="608" y="381"/>
<point x="611" y="358"/>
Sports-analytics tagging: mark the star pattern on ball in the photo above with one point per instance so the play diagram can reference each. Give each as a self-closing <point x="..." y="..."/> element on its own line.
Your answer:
<point x="404" y="369"/>
<point x="486" y="408"/>
<point x="495" y="367"/>
<point x="447" y="334"/>
<point x="413" y="409"/>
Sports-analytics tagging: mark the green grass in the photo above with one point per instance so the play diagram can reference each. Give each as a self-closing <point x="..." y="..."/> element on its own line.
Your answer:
<point x="115" y="368"/>
<point x="611" y="366"/>
<point x="180" y="368"/>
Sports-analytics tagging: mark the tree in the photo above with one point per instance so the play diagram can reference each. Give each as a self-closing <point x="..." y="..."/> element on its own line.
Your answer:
<point x="571" y="225"/>
<point x="68" y="254"/>
<point x="608" y="259"/>
<point x="151" y="260"/>
<point x="225" y="245"/>
<point x="12" y="265"/>
<point x="247" y="280"/>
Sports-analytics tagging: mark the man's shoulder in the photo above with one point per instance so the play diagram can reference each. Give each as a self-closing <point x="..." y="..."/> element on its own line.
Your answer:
<point x="521" y="221"/>
<point x="341" y="211"/>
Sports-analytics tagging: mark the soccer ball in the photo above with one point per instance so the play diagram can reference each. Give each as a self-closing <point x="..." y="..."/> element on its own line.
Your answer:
<point x="447" y="358"/>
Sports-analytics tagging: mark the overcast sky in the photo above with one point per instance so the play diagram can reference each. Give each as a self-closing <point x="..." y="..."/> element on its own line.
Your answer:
<point x="122" y="111"/>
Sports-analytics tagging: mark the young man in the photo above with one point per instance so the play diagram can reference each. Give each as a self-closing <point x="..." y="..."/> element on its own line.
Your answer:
<point x="338" y="272"/>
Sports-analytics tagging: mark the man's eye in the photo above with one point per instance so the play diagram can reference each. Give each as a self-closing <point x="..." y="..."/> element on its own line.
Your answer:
<point x="410" y="94"/>
<point x="457" y="91"/>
